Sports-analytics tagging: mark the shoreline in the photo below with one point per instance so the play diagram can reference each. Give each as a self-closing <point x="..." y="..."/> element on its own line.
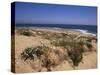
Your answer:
<point x="82" y="31"/>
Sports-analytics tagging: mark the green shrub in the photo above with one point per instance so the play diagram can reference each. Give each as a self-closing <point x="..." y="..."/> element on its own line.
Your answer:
<point x="76" y="54"/>
<point x="26" y="33"/>
<point x="89" y="45"/>
<point x="31" y="53"/>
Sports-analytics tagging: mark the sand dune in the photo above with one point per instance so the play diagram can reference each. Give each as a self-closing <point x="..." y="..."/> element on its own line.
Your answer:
<point x="21" y="42"/>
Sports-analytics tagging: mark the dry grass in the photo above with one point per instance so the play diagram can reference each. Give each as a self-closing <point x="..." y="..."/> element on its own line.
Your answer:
<point x="63" y="47"/>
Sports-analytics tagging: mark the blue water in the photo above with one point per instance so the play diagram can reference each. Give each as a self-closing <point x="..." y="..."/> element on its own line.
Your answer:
<point x="89" y="28"/>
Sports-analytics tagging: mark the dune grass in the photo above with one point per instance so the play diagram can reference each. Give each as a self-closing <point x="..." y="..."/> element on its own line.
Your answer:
<point x="74" y="47"/>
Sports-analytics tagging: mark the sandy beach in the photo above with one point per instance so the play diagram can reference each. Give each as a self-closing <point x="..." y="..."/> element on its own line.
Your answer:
<point x="59" y="45"/>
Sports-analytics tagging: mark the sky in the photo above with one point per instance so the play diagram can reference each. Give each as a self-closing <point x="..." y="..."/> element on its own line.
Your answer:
<point x="37" y="13"/>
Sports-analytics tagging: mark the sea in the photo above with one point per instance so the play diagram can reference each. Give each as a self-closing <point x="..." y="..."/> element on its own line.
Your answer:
<point x="82" y="28"/>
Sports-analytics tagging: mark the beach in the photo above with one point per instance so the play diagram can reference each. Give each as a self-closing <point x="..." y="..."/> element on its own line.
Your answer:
<point x="60" y="46"/>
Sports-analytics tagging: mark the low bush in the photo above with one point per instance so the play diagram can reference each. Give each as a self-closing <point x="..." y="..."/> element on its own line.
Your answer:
<point x="31" y="53"/>
<point x="26" y="33"/>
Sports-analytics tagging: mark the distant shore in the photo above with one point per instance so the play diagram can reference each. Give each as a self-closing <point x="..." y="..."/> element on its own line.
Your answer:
<point x="56" y="28"/>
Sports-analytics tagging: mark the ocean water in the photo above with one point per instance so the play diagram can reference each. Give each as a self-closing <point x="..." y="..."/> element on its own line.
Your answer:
<point x="88" y="28"/>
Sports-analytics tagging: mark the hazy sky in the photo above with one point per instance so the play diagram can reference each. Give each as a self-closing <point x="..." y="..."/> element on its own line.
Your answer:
<point x="54" y="14"/>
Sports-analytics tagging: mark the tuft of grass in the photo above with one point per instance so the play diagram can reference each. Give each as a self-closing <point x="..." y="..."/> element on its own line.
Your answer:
<point x="75" y="53"/>
<point x="26" y="33"/>
<point x="89" y="45"/>
<point x="31" y="53"/>
<point x="76" y="56"/>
